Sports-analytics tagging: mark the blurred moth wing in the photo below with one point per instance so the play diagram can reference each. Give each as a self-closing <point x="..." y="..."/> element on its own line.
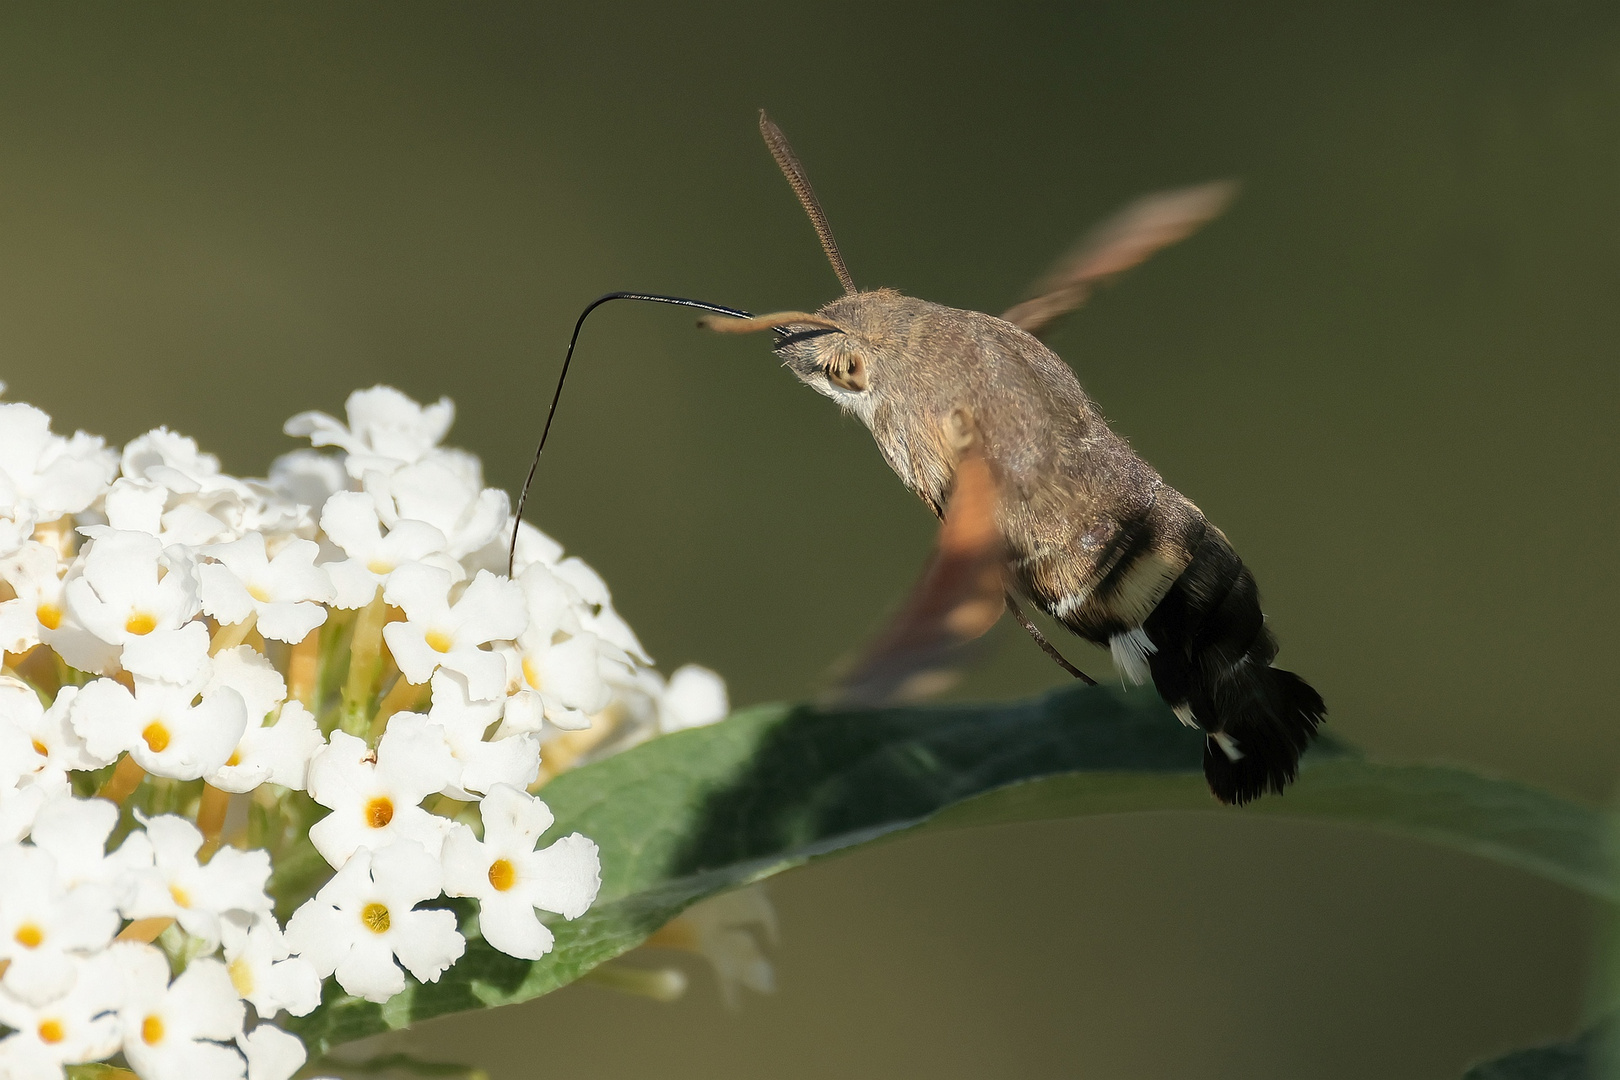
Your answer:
<point x="961" y="594"/>
<point x="1117" y="244"/>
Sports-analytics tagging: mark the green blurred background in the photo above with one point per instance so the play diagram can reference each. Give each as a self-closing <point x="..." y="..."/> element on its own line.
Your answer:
<point x="1389" y="374"/>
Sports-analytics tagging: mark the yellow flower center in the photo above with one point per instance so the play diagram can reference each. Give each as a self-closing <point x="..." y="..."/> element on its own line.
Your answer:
<point x="241" y="976"/>
<point x="375" y="916"/>
<point x="379" y="812"/>
<point x="50" y="1031"/>
<point x="49" y="615"/>
<point x="380" y="567"/>
<point x="180" y="895"/>
<point x="41" y="749"/>
<point x="152" y="1030"/>
<point x="439" y="641"/>
<point x="235" y="758"/>
<point x="139" y="623"/>
<point x="259" y="593"/>
<point x="502" y="875"/>
<point x="531" y="673"/>
<point x="29" y="935"/>
<point x="156" y="737"/>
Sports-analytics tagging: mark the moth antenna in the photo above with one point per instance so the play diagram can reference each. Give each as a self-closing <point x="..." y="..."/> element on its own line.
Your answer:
<point x="788" y="162"/>
<point x="556" y="396"/>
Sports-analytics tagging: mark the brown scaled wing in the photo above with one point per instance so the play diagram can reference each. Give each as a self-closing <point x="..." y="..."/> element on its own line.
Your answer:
<point x="960" y="596"/>
<point x="1145" y="226"/>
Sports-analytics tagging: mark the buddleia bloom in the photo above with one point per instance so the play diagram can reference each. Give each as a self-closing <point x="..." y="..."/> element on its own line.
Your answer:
<point x="204" y="669"/>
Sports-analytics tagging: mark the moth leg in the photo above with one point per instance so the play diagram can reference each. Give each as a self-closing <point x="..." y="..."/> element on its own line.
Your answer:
<point x="1046" y="646"/>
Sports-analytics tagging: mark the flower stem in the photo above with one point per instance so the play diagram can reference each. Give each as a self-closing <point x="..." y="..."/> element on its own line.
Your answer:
<point x="232" y="634"/>
<point x="402" y="696"/>
<point x="124" y="780"/>
<point x="211" y="818"/>
<point x="365" y="668"/>
<point x="660" y="984"/>
<point x="303" y="667"/>
<point x="145" y="930"/>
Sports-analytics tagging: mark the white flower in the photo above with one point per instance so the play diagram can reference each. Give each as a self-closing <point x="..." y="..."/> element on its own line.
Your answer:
<point x="173" y="460"/>
<point x="285" y="592"/>
<point x="374" y="797"/>
<point x="275" y="748"/>
<point x="173" y="1031"/>
<point x="386" y="429"/>
<point x="272" y="753"/>
<point x="446" y="490"/>
<point x="50" y="742"/>
<point x="43" y="476"/>
<point x="511" y="879"/>
<point x="513" y="760"/>
<point x="263" y="973"/>
<point x="34" y="573"/>
<point x="42" y="921"/>
<point x="599" y="617"/>
<point x="18" y="807"/>
<point x="135" y="596"/>
<point x="533" y="547"/>
<point x="438" y="634"/>
<point x="79" y="1026"/>
<point x="725" y="930"/>
<point x="146" y="506"/>
<point x="173" y="883"/>
<point x="251" y="674"/>
<point x="567" y="676"/>
<point x="308" y="477"/>
<point x="555" y="658"/>
<point x="272" y="1054"/>
<point x="74" y="831"/>
<point x="694" y="697"/>
<point x="350" y="521"/>
<point x="159" y="726"/>
<point x="365" y="917"/>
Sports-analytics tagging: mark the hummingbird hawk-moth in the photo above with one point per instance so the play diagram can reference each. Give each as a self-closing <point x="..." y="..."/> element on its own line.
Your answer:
<point x="1039" y="498"/>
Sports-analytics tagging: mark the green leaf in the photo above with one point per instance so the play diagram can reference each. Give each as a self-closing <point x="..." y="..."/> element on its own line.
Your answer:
<point x="1570" y="1060"/>
<point x="701" y="811"/>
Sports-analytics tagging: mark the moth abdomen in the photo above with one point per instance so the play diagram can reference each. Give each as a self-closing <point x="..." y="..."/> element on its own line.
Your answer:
<point x="1211" y="662"/>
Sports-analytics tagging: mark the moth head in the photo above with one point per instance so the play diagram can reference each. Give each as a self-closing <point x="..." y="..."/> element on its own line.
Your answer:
<point x="829" y="350"/>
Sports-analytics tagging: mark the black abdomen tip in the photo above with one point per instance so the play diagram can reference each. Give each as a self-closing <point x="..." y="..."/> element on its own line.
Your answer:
<point x="1268" y="717"/>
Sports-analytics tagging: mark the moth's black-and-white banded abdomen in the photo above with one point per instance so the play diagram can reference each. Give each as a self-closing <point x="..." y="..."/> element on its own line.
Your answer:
<point x="1210" y="660"/>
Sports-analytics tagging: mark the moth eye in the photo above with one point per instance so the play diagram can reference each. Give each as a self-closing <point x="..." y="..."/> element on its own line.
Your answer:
<point x="848" y="372"/>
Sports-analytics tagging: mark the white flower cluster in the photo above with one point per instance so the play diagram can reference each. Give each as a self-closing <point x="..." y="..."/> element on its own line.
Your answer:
<point x="205" y="676"/>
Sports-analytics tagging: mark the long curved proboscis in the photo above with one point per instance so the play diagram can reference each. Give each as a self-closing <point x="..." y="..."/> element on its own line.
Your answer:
<point x="556" y="396"/>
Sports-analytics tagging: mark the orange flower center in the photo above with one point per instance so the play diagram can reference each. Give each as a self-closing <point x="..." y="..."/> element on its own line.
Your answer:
<point x="139" y="623"/>
<point x="379" y="812"/>
<point x="50" y="1031"/>
<point x="49" y="615"/>
<point x="241" y="976"/>
<point x="152" y="1030"/>
<point x="502" y="875"/>
<point x="156" y="737"/>
<point x="41" y="749"/>
<point x="375" y="916"/>
<point x="29" y="935"/>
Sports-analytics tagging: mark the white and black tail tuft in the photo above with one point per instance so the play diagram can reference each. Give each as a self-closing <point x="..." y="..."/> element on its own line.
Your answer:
<point x="1211" y="658"/>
